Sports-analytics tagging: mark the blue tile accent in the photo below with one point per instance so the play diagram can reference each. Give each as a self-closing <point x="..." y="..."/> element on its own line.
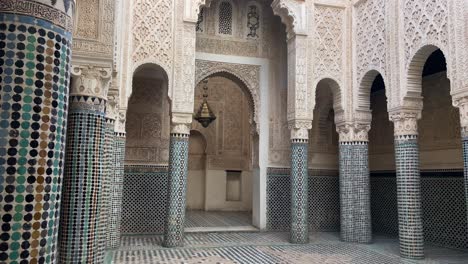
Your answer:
<point x="355" y="192"/>
<point x="409" y="197"/>
<point x="299" y="193"/>
<point x="80" y="238"/>
<point x="34" y="81"/>
<point x="323" y="204"/>
<point x="465" y="169"/>
<point x="116" y="192"/>
<point x="177" y="182"/>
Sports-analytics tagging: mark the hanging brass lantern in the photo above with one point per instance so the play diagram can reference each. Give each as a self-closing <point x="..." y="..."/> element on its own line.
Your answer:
<point x="204" y="115"/>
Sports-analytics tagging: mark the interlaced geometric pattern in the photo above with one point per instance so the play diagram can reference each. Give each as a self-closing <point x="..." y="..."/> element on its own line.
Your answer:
<point x="253" y="21"/>
<point x="443" y="207"/>
<point x="144" y="202"/>
<point x="225" y="18"/>
<point x="323" y="205"/>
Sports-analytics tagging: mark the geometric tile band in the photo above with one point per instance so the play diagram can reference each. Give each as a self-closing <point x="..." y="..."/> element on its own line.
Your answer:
<point x="443" y="208"/>
<point x="81" y="205"/>
<point x="177" y="183"/>
<point x="409" y="197"/>
<point x="299" y="233"/>
<point x="355" y="192"/>
<point x="323" y="204"/>
<point x="144" y="201"/>
<point x="34" y="79"/>
<point x="116" y="192"/>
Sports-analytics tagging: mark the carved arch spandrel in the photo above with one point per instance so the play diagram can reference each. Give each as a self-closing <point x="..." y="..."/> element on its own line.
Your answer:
<point x="249" y="75"/>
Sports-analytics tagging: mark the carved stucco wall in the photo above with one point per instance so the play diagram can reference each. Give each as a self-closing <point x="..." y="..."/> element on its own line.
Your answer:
<point x="228" y="137"/>
<point x="370" y="32"/>
<point x="439" y="129"/>
<point x="330" y="53"/>
<point x="147" y="124"/>
<point x="238" y="43"/>
<point x="94" y="30"/>
<point x="323" y="138"/>
<point x="152" y="32"/>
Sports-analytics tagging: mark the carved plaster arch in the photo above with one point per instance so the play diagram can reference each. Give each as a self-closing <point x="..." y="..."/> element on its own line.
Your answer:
<point x="337" y="97"/>
<point x="412" y="96"/>
<point x="364" y="89"/>
<point x="248" y="75"/>
<point x="151" y="63"/>
<point x="140" y="66"/>
<point x="293" y="14"/>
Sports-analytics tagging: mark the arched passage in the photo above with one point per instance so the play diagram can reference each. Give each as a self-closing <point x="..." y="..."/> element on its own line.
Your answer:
<point x="228" y="167"/>
<point x="147" y="152"/>
<point x="441" y="159"/>
<point x="324" y="193"/>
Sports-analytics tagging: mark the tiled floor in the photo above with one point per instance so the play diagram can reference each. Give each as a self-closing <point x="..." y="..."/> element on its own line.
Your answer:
<point x="217" y="219"/>
<point x="259" y="248"/>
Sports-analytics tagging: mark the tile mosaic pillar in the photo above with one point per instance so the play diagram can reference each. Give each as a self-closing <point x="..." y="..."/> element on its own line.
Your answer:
<point x="80" y="229"/>
<point x="108" y="171"/>
<point x="355" y="209"/>
<point x="299" y="233"/>
<point x="177" y="183"/>
<point x="408" y="184"/>
<point x="115" y="206"/>
<point x="35" y="50"/>
<point x="462" y="104"/>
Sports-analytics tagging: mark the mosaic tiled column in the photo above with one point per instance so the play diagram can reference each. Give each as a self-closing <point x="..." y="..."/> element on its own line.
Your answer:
<point x="35" y="43"/>
<point x="462" y="104"/>
<point x="356" y="225"/>
<point x="177" y="184"/>
<point x="299" y="233"/>
<point x="84" y="169"/>
<point x="108" y="171"/>
<point x="408" y="184"/>
<point x="115" y="210"/>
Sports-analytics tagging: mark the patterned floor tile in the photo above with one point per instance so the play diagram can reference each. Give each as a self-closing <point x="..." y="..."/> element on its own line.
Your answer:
<point x="270" y="248"/>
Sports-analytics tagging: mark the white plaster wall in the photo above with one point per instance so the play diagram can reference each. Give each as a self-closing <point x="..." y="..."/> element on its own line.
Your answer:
<point x="196" y="190"/>
<point x="216" y="192"/>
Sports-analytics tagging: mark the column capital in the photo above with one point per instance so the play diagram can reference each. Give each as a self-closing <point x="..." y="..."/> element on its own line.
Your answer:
<point x="120" y="121"/>
<point x="354" y="132"/>
<point x="112" y="107"/>
<point x="181" y="123"/>
<point x="91" y="81"/>
<point x="300" y="129"/>
<point x="462" y="104"/>
<point x="405" y="122"/>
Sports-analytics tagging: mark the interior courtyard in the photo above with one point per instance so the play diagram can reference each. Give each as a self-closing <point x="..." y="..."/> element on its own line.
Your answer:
<point x="233" y="131"/>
